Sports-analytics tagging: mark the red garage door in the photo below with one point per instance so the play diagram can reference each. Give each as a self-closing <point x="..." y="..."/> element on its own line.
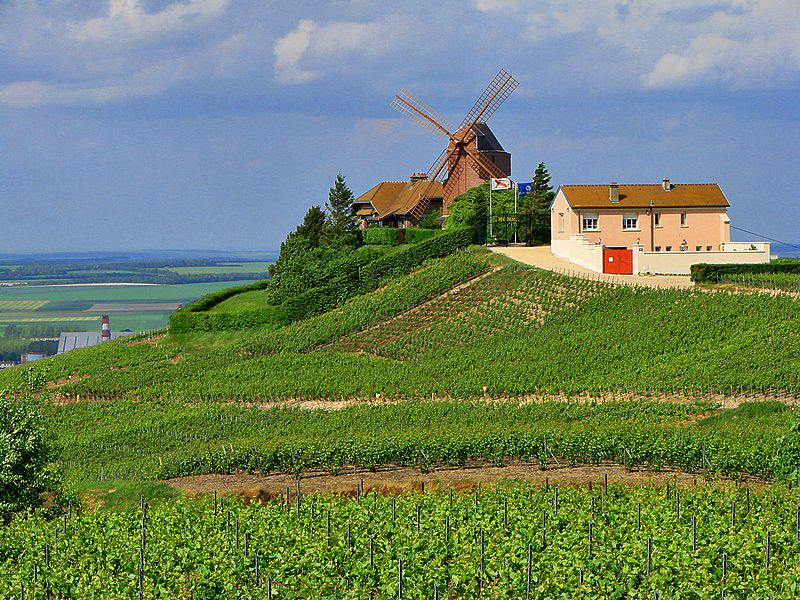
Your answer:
<point x="617" y="261"/>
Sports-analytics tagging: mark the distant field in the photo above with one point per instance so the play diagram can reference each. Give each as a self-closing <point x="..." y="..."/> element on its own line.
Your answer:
<point x="234" y="267"/>
<point x="78" y="306"/>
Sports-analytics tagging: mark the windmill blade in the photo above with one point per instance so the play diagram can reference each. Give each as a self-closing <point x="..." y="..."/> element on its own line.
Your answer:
<point x="497" y="92"/>
<point x="421" y="113"/>
<point x="484" y="163"/>
<point x="435" y="173"/>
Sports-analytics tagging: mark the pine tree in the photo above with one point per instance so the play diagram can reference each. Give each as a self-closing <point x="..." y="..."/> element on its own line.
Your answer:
<point x="313" y="228"/>
<point x="339" y="207"/>
<point x="541" y="195"/>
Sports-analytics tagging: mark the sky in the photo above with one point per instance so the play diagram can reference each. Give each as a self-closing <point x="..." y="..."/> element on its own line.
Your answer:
<point x="166" y="124"/>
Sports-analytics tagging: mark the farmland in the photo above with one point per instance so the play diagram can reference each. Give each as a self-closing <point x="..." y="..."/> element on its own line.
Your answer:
<point x="457" y="363"/>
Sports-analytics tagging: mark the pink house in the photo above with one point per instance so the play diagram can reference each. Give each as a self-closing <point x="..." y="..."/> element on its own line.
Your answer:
<point x="641" y="228"/>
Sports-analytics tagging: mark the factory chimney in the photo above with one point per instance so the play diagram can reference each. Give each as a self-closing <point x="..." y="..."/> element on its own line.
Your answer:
<point x="105" y="329"/>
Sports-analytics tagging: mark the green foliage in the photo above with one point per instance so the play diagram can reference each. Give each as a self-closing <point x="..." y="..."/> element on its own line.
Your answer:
<point x="195" y="316"/>
<point x="468" y="544"/>
<point x="339" y="208"/>
<point x="416" y="235"/>
<point x="431" y="220"/>
<point x="708" y="273"/>
<point x="25" y="457"/>
<point x="537" y="202"/>
<point x="381" y="236"/>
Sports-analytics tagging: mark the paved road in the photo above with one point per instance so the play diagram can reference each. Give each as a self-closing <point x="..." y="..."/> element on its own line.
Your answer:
<point x="540" y="256"/>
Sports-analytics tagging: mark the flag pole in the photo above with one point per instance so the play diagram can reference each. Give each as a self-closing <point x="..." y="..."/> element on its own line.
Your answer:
<point x="490" y="211"/>
<point x="516" y="214"/>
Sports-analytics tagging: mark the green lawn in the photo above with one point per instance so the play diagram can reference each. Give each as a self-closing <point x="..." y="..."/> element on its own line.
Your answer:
<point x="244" y="301"/>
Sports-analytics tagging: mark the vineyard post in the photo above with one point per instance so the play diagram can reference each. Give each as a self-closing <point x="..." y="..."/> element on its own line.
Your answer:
<point x="447" y="529"/>
<point x="580" y="577"/>
<point x="269" y="588"/>
<point x="797" y="524"/>
<point x="649" y="554"/>
<point x="435" y="591"/>
<point x="215" y="504"/>
<point x="418" y="515"/>
<point x="22" y="591"/>
<point x="748" y="501"/>
<point x="528" y="580"/>
<point x="767" y="548"/>
<point x="724" y="565"/>
<point x="591" y="537"/>
<point x="400" y="578"/>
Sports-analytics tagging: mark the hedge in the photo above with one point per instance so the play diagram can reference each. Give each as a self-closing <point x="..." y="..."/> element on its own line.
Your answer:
<point x="208" y="301"/>
<point x="706" y="273"/>
<point x="415" y="235"/>
<point x="382" y="236"/>
<point x="400" y="262"/>
<point x="184" y="321"/>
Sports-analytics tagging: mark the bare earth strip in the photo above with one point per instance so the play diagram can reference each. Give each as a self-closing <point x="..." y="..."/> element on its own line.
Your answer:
<point x="397" y="480"/>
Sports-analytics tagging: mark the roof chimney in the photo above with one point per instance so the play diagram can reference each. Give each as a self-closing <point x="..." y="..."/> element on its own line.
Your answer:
<point x="105" y="329"/>
<point x="613" y="191"/>
<point x="418" y="177"/>
<point x="666" y="184"/>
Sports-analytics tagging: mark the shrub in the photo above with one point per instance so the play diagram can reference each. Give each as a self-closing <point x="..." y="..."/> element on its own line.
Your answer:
<point x="184" y="321"/>
<point x="26" y="470"/>
<point x="414" y="236"/>
<point x="210" y="300"/>
<point x="706" y="273"/>
<point x="381" y="236"/>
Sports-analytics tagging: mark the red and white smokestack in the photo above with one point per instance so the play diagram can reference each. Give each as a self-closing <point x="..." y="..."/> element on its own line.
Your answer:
<point x="105" y="329"/>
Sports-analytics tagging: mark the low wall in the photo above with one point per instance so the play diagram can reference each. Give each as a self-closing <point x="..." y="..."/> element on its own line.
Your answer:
<point x="680" y="263"/>
<point x="580" y="251"/>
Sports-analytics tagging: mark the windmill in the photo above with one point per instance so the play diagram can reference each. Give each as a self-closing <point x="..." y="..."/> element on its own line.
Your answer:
<point x="461" y="164"/>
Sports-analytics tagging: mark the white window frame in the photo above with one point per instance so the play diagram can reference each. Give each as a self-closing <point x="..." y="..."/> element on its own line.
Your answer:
<point x="592" y="216"/>
<point x="629" y="218"/>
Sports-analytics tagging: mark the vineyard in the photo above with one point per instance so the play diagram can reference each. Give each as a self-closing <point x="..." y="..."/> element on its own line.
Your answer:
<point x="787" y="282"/>
<point x="513" y="541"/>
<point x="143" y="441"/>
<point x="465" y="326"/>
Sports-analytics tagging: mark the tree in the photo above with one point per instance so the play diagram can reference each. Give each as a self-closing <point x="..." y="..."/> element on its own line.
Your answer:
<point x="26" y="468"/>
<point x="313" y="228"/>
<point x="340" y="207"/>
<point x="537" y="203"/>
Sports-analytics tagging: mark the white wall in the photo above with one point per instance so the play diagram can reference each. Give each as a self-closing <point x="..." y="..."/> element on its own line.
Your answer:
<point x="680" y="263"/>
<point x="580" y="251"/>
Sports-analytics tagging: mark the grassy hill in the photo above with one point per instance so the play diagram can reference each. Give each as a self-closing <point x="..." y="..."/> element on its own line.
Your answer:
<point x="453" y="327"/>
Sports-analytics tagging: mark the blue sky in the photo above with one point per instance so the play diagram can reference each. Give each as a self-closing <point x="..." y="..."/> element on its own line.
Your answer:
<point x="142" y="124"/>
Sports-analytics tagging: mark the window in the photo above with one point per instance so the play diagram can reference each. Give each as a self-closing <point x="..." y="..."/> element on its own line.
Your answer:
<point x="561" y="222"/>
<point x="590" y="222"/>
<point x="630" y="221"/>
<point x="657" y="219"/>
<point x="658" y="248"/>
<point x="669" y="248"/>
<point x="709" y="248"/>
<point x="698" y="248"/>
<point x="683" y="219"/>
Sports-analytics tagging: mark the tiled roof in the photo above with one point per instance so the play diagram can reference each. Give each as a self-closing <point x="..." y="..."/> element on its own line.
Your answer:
<point x="398" y="197"/>
<point x="641" y="195"/>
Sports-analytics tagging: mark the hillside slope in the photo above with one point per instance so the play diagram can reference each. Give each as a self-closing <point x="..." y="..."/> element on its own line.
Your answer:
<point x="455" y="327"/>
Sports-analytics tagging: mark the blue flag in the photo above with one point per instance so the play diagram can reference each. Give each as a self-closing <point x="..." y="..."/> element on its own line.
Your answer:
<point x="524" y="188"/>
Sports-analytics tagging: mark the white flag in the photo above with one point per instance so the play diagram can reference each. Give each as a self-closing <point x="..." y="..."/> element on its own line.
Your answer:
<point x="504" y="183"/>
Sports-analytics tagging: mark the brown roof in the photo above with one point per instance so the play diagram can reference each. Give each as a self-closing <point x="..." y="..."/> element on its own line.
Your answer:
<point x="642" y="194"/>
<point x="398" y="197"/>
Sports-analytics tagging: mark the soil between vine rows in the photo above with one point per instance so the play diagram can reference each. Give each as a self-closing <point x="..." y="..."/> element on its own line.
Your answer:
<point x="398" y="480"/>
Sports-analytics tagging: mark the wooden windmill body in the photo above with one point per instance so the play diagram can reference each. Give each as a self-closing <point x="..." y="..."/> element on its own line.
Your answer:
<point x="472" y="154"/>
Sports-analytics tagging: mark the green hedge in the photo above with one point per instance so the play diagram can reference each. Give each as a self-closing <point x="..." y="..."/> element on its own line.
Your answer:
<point x="400" y="262"/>
<point x="705" y="273"/>
<point x="414" y="236"/>
<point x="188" y="321"/>
<point x="382" y="236"/>
<point x="410" y="256"/>
<point x="210" y="300"/>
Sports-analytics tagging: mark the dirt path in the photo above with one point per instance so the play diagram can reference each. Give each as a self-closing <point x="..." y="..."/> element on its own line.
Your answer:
<point x="398" y="480"/>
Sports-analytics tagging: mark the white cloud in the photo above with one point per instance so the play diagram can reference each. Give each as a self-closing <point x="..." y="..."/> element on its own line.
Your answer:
<point x="369" y="132"/>
<point x="288" y="51"/>
<point x="127" y="21"/>
<point x="330" y="47"/>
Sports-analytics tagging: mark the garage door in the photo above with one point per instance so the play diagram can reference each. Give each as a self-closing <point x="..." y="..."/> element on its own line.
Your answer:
<point x="617" y="261"/>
